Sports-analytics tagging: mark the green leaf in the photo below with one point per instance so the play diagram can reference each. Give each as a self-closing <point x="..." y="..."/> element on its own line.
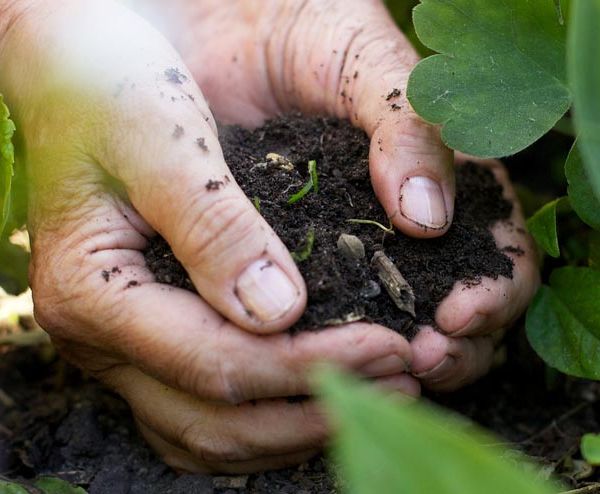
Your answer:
<point x="500" y="81"/>
<point x="51" y="485"/>
<point x="7" y="160"/>
<point x="590" y="448"/>
<point x="584" y="77"/>
<point x="10" y="488"/>
<point x="313" y="183"/>
<point x="581" y="195"/>
<point x="542" y="225"/>
<point x="391" y="446"/>
<point x="563" y="322"/>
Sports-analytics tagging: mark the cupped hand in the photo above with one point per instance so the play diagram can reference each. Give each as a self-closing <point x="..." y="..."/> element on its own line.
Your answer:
<point x="472" y="320"/>
<point x="119" y="143"/>
<point x="255" y="59"/>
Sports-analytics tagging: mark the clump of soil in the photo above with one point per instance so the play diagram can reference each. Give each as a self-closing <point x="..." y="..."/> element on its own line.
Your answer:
<point x="271" y="165"/>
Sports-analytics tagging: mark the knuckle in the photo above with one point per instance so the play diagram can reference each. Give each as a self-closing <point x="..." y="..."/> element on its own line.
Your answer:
<point x="208" y="447"/>
<point x="211" y="230"/>
<point x="212" y="375"/>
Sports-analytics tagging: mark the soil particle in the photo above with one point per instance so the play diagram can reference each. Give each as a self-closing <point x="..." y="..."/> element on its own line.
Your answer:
<point x="395" y="93"/>
<point x="133" y="283"/>
<point x="178" y="132"/>
<point x="116" y="270"/>
<point x="212" y="185"/>
<point x="395" y="107"/>
<point x="106" y="275"/>
<point x="202" y="142"/>
<point x="175" y="76"/>
<point x="338" y="286"/>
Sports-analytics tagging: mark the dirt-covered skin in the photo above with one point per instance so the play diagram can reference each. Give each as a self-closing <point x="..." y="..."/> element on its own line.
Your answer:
<point x="339" y="287"/>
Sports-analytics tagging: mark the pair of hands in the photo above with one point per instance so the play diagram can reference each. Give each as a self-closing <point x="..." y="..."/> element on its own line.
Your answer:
<point x="97" y="93"/>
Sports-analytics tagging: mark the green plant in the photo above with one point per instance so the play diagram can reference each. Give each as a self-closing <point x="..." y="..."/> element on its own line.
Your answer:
<point x="386" y="445"/>
<point x="43" y="485"/>
<point x="387" y="229"/>
<point x="311" y="184"/>
<point x="305" y="251"/>
<point x="505" y="75"/>
<point x="13" y="199"/>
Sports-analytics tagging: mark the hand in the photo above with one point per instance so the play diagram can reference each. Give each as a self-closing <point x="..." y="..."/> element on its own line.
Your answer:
<point x="347" y="58"/>
<point x="119" y="144"/>
<point x="472" y="321"/>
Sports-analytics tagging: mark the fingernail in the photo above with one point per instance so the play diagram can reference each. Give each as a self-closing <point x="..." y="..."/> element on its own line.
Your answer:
<point x="422" y="202"/>
<point x="266" y="291"/>
<point x="440" y="371"/>
<point x="385" y="366"/>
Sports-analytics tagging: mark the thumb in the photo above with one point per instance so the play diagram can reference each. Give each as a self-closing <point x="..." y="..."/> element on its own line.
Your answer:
<point x="359" y="71"/>
<point x="176" y="177"/>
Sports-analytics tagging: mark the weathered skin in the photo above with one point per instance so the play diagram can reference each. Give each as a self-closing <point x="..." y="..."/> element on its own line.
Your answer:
<point x="93" y="90"/>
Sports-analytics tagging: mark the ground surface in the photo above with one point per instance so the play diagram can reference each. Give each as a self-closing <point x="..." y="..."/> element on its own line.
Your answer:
<point x="59" y="423"/>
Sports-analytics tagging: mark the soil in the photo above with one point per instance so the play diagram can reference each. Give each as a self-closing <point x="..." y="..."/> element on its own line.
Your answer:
<point x="58" y="422"/>
<point x="271" y="165"/>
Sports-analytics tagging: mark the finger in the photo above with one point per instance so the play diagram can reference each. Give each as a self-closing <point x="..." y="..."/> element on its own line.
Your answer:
<point x="98" y="270"/>
<point x="183" y="188"/>
<point x="404" y="384"/>
<point x="184" y="461"/>
<point x="495" y="304"/>
<point x="219" y="433"/>
<point x="446" y="364"/>
<point x="359" y="70"/>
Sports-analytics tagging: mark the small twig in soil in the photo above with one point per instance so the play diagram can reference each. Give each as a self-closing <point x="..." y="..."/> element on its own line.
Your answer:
<point x="386" y="229"/>
<point x="397" y="287"/>
<point x="304" y="253"/>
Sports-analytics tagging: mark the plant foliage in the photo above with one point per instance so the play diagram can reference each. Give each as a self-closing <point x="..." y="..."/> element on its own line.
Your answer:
<point x="542" y="226"/>
<point x="563" y="322"/>
<point x="590" y="448"/>
<point x="584" y="77"/>
<point x="499" y="81"/>
<point x="389" y="446"/>
<point x="7" y="160"/>
<point x="312" y="184"/>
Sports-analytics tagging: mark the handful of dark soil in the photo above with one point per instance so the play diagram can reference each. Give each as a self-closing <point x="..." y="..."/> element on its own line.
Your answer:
<point x="351" y="269"/>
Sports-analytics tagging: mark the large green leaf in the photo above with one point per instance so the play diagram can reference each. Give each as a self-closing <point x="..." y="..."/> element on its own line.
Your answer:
<point x="499" y="82"/>
<point x="387" y="446"/>
<point x="581" y="195"/>
<point x="542" y="225"/>
<point x="584" y="77"/>
<point x="7" y="160"/>
<point x="563" y="322"/>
